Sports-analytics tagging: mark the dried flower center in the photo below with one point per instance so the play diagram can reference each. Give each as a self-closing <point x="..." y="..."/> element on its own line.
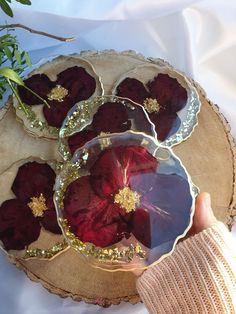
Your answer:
<point x="58" y="93"/>
<point x="38" y="205"/>
<point x="151" y="105"/>
<point x="127" y="199"/>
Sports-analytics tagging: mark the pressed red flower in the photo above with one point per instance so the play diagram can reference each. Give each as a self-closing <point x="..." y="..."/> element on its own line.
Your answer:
<point x="125" y="195"/>
<point x="21" y="218"/>
<point x="91" y="218"/>
<point x="33" y="179"/>
<point x="18" y="227"/>
<point x="115" y="166"/>
<point x="55" y="115"/>
<point x="77" y="140"/>
<point x="111" y="117"/>
<point x="162" y="98"/>
<point x="72" y="85"/>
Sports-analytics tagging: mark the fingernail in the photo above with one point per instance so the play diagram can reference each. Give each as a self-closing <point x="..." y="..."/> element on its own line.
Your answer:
<point x="207" y="200"/>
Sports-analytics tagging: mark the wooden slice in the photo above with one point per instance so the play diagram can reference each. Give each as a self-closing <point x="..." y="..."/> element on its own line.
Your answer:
<point x="209" y="156"/>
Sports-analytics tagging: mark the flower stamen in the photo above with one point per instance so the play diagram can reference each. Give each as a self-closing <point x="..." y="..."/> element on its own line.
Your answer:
<point x="127" y="199"/>
<point x="38" y="205"/>
<point x="58" y="93"/>
<point x="151" y="105"/>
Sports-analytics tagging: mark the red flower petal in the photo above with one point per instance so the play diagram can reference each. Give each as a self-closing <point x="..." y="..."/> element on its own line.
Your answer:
<point x="32" y="179"/>
<point x="18" y="227"/>
<point x="141" y="227"/>
<point x="132" y="89"/>
<point x="168" y="92"/>
<point x="40" y="84"/>
<point x="91" y="218"/>
<point x="168" y="203"/>
<point x="57" y="112"/>
<point x="49" y="219"/>
<point x="116" y="165"/>
<point x="78" y="82"/>
<point x="77" y="140"/>
<point x="166" y="124"/>
<point x="112" y="118"/>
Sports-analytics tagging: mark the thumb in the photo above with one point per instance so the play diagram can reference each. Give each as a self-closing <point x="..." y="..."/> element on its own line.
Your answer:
<point x="204" y="216"/>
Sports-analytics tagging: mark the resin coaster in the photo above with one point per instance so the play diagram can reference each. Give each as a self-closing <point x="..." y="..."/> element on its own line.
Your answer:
<point x="62" y="82"/>
<point x="28" y="222"/>
<point x="169" y="98"/>
<point x="124" y="205"/>
<point x="101" y="116"/>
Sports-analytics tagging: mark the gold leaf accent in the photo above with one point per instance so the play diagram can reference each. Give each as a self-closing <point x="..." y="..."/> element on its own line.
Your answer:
<point x="38" y="205"/>
<point x="127" y="199"/>
<point x="58" y="93"/>
<point x="151" y="105"/>
<point x="102" y="254"/>
<point x="46" y="253"/>
<point x="104" y="142"/>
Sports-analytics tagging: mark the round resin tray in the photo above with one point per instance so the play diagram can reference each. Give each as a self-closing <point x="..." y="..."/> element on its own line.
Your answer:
<point x="32" y="235"/>
<point x="61" y="83"/>
<point x="208" y="155"/>
<point x="100" y="116"/>
<point x="123" y="201"/>
<point x="170" y="99"/>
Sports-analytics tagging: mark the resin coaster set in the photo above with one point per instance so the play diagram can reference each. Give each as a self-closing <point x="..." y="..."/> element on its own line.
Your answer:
<point x="95" y="189"/>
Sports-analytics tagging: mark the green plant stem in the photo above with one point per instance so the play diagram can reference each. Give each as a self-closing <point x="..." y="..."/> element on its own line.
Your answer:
<point x="18" y="97"/>
<point x="36" y="95"/>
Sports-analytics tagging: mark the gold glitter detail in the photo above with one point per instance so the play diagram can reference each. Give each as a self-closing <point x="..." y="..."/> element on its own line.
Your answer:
<point x="46" y="253"/>
<point x="151" y="105"/>
<point x="102" y="254"/>
<point x="58" y="93"/>
<point x="38" y="205"/>
<point x="36" y="123"/>
<point x="104" y="133"/>
<point x="127" y="199"/>
<point x="104" y="142"/>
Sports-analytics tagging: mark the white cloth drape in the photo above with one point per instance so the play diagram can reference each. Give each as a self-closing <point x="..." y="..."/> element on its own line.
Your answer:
<point x="197" y="37"/>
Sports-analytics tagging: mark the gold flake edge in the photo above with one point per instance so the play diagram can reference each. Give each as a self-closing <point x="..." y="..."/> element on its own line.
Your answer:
<point x="46" y="253"/>
<point x="102" y="254"/>
<point x="37" y="123"/>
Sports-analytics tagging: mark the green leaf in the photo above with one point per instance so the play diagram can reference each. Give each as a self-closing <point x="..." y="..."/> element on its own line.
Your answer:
<point x="17" y="56"/>
<point x="27" y="59"/>
<point x="8" y="53"/>
<point x="27" y="2"/>
<point x="11" y="75"/>
<point x="6" y="8"/>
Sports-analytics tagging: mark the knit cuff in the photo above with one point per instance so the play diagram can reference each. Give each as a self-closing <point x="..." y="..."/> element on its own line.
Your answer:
<point x="198" y="277"/>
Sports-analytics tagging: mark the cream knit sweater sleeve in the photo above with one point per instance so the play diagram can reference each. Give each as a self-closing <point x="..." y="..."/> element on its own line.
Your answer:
<point x="199" y="277"/>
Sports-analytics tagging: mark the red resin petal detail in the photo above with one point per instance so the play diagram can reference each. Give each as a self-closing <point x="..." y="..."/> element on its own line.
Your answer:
<point x="166" y="124"/>
<point x="32" y="179"/>
<point x="18" y="227"/>
<point x="79" y="83"/>
<point x="77" y="140"/>
<point x="57" y="112"/>
<point x="49" y="219"/>
<point x="111" y="118"/>
<point x="40" y="84"/>
<point x="115" y="166"/>
<point x="169" y="93"/>
<point x="91" y="218"/>
<point x="133" y="89"/>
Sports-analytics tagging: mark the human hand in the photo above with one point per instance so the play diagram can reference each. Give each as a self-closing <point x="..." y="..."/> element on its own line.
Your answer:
<point x="203" y="218"/>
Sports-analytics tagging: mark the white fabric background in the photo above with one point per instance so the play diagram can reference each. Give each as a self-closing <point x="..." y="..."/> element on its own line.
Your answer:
<point x="197" y="37"/>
